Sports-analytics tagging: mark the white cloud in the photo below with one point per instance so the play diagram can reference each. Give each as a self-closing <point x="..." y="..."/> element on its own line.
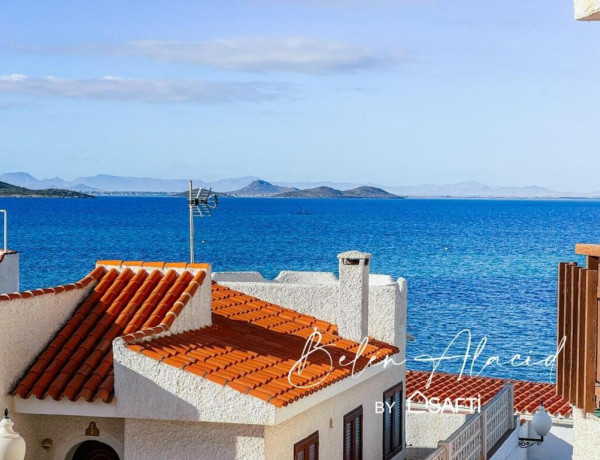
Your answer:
<point x="301" y="55"/>
<point x="13" y="77"/>
<point x="136" y="90"/>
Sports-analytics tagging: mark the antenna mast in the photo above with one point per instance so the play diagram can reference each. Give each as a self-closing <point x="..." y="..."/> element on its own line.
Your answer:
<point x="191" y="206"/>
<point x="200" y="204"/>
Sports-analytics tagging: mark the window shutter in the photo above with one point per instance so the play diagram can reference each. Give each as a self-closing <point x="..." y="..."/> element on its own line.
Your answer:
<point x="312" y="452"/>
<point x="308" y="448"/>
<point x="358" y="437"/>
<point x="348" y="441"/>
<point x="388" y="437"/>
<point x="353" y="434"/>
<point x="393" y="421"/>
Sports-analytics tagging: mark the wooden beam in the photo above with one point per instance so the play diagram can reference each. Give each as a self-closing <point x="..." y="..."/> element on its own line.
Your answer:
<point x="590" y="341"/>
<point x="566" y="371"/>
<point x="592" y="262"/>
<point x="560" y="326"/>
<point x="575" y="331"/>
<point x="588" y="249"/>
<point x="581" y="325"/>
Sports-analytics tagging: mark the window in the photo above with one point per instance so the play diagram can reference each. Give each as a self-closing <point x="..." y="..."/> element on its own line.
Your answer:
<point x="308" y="448"/>
<point x="353" y="434"/>
<point x="393" y="416"/>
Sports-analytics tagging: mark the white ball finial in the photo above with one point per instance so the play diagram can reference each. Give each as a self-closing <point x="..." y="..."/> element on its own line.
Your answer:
<point x="12" y="446"/>
<point x="542" y="423"/>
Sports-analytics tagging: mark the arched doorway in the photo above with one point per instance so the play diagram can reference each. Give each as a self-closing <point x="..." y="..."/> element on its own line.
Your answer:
<point x="94" y="450"/>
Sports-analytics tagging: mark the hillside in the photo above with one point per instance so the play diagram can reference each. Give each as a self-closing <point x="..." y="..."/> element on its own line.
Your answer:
<point x="261" y="188"/>
<point x="9" y="191"/>
<point x="317" y="192"/>
<point x="369" y="192"/>
<point x="328" y="192"/>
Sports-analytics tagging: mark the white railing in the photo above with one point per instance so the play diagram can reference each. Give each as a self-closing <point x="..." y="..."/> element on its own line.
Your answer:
<point x="481" y="432"/>
<point x="439" y="454"/>
<point x="465" y="443"/>
<point x="497" y="417"/>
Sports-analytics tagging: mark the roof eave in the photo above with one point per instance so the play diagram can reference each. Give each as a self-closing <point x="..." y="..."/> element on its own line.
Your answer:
<point x="49" y="406"/>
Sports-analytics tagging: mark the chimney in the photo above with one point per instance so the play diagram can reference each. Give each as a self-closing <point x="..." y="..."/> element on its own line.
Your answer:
<point x="354" y="294"/>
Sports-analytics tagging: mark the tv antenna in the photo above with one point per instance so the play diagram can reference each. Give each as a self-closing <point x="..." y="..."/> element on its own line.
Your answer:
<point x="201" y="202"/>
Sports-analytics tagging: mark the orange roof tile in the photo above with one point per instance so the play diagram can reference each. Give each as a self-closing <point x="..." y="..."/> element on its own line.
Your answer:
<point x="78" y="361"/>
<point x="95" y="275"/>
<point x="252" y="346"/>
<point x="528" y="395"/>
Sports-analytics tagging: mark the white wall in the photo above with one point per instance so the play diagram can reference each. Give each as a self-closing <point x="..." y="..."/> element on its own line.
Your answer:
<point x="26" y="327"/>
<point x="558" y="444"/>
<point x="9" y="272"/>
<point x="317" y="294"/>
<point x="586" y="436"/>
<point x="587" y="10"/>
<point x="425" y="429"/>
<point x="148" y="389"/>
<point x="319" y="300"/>
<point x="151" y="439"/>
<point x="328" y="418"/>
<point x="197" y="312"/>
<point x="65" y="432"/>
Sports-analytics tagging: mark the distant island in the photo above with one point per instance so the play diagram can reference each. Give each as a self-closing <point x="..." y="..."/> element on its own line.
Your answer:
<point x="328" y="192"/>
<point x="261" y="188"/>
<point x="12" y="191"/>
<point x="265" y="189"/>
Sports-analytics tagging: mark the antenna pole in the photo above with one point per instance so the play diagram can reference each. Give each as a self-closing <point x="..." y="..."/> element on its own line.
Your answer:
<point x="191" y="224"/>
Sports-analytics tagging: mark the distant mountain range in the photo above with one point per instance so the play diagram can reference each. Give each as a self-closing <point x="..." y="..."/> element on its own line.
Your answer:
<point x="108" y="183"/>
<point x="104" y="183"/>
<point x="13" y="191"/>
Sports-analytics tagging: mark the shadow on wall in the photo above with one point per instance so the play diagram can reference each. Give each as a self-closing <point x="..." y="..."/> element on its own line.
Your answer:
<point x="557" y="445"/>
<point x="145" y="439"/>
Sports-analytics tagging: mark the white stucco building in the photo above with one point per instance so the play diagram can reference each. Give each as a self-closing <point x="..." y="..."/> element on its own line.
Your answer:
<point x="146" y="360"/>
<point x="587" y="10"/>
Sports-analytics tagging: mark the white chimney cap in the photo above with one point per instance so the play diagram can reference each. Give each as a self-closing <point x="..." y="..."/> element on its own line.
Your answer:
<point x="354" y="255"/>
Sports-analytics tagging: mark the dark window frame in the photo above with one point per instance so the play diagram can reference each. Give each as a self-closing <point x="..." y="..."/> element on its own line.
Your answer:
<point x="350" y="417"/>
<point x="304" y="445"/>
<point x="396" y="447"/>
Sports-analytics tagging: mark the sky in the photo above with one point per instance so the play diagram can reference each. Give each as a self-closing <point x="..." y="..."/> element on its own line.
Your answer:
<point x="392" y="92"/>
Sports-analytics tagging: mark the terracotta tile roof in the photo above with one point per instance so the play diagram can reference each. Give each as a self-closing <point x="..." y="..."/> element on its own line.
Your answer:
<point x="252" y="345"/>
<point x="85" y="281"/>
<point x="528" y="395"/>
<point x="78" y="362"/>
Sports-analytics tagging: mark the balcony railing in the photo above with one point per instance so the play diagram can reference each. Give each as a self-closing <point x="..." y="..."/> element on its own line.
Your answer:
<point x="481" y="432"/>
<point x="577" y="369"/>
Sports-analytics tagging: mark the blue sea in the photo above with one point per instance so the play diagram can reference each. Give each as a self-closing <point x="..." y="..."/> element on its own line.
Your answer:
<point x="489" y="266"/>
